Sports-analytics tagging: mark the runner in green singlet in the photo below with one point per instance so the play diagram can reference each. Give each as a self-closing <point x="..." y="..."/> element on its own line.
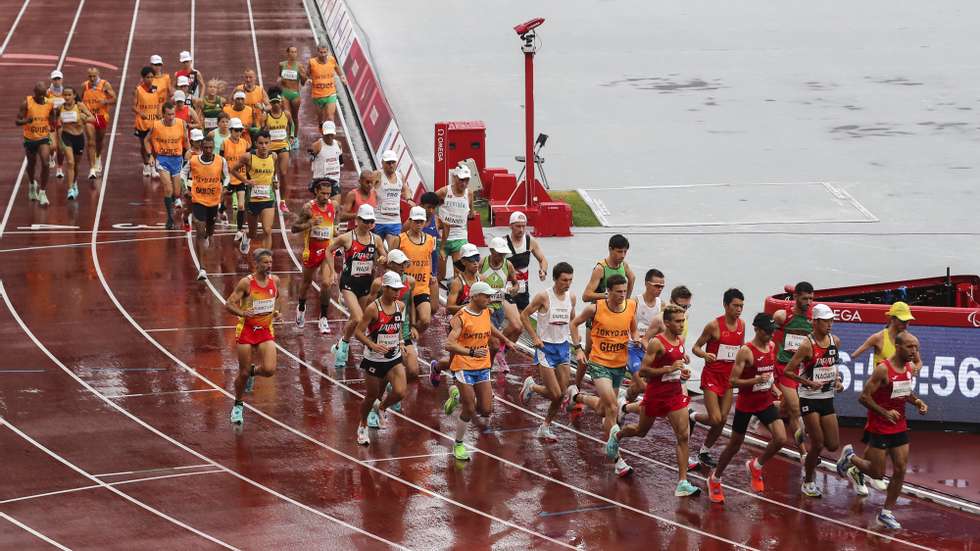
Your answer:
<point x="211" y="105"/>
<point x="596" y="288"/>
<point x="502" y="277"/>
<point x="292" y="77"/>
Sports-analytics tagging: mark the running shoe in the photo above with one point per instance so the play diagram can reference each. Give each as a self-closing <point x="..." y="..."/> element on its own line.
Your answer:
<point x="238" y="414"/>
<point x="178" y="204"/>
<point x="362" y="436"/>
<point x="705" y="459"/>
<point x="612" y="443"/>
<point x="202" y="275"/>
<point x="755" y="475"/>
<point x="878" y="484"/>
<point x="887" y="519"/>
<point x="60" y="174"/>
<point x="91" y="174"/>
<point x="857" y="481"/>
<point x="250" y="382"/>
<point x="223" y="219"/>
<point x="692" y="461"/>
<point x="544" y="431"/>
<point x="577" y="411"/>
<point x="434" y="377"/>
<point x="622" y="468"/>
<point x="73" y="192"/>
<point x="324" y="325"/>
<point x="243" y="246"/>
<point x="239" y="235"/>
<point x="52" y="162"/>
<point x="452" y="402"/>
<point x="32" y="191"/>
<point x="374" y="420"/>
<point x="621" y="409"/>
<point x="692" y="422"/>
<point x="339" y="351"/>
<point x="622" y="392"/>
<point x="147" y="171"/>
<point x="844" y="461"/>
<point x="571" y="392"/>
<point x="502" y="360"/>
<point x="686" y="489"/>
<point x="527" y="391"/>
<point x="715" y="492"/>
<point x="154" y="172"/>
<point x="282" y="206"/>
<point x="300" y="317"/>
<point x="810" y="489"/>
<point x="42" y="198"/>
<point x="396" y="406"/>
<point x="460" y="453"/>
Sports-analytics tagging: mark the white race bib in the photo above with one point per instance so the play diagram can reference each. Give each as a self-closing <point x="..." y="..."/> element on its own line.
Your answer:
<point x="901" y="389"/>
<point x="210" y="122"/>
<point x="671" y="377"/>
<point x="522" y="286"/>
<point x="289" y="74"/>
<point x="361" y="267"/>
<point x="824" y="375"/>
<point x="764" y="385"/>
<point x="262" y="191"/>
<point x="264" y="306"/>
<point x="69" y="116"/>
<point x="389" y="339"/>
<point x="277" y="134"/>
<point x="498" y="295"/>
<point x="321" y="233"/>
<point x="792" y="342"/>
<point x="726" y="353"/>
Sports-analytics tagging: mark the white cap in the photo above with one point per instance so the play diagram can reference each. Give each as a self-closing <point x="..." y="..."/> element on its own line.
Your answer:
<point x="481" y="288"/>
<point x="182" y="80"/>
<point x="463" y="172"/>
<point x="393" y="280"/>
<point x="822" y="312"/>
<point x="468" y="250"/>
<point x="389" y="155"/>
<point x="328" y="127"/>
<point x="156" y="60"/>
<point x="56" y="74"/>
<point x="365" y="212"/>
<point x="397" y="256"/>
<point x="517" y="216"/>
<point x="180" y="96"/>
<point x="238" y="94"/>
<point x="417" y="213"/>
<point x="499" y="244"/>
<point x="235" y="122"/>
<point x="196" y="135"/>
<point x="185" y="56"/>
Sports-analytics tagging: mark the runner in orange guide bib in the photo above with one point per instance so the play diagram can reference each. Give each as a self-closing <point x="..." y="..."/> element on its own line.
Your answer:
<point x="322" y="69"/>
<point x="97" y="95"/>
<point x="37" y="116"/>
<point x="206" y="175"/>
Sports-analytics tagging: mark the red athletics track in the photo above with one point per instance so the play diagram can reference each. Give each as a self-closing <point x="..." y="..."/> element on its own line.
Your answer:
<point x="154" y="362"/>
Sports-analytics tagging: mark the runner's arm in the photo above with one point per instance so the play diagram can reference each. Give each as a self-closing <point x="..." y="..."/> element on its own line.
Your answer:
<point x="340" y="73"/>
<point x="22" y="117"/>
<point x="86" y="114"/>
<point x="234" y="301"/>
<point x="873" y="342"/>
<point x="238" y="169"/>
<point x="707" y="334"/>
<point x="584" y="316"/>
<point x="793" y="367"/>
<point x="370" y="314"/>
<point x="654" y="350"/>
<point x="743" y="359"/>
<point x="878" y="377"/>
<point x="452" y="344"/>
<point x="277" y="313"/>
<point x="147" y="143"/>
<point x="110" y="94"/>
<point x="347" y="207"/>
<point x="542" y="261"/>
<point x="533" y="307"/>
<point x="136" y="99"/>
<point x="630" y="279"/>
<point x="455" y="287"/>
<point x="340" y="242"/>
<point x="304" y="221"/>
<point x="502" y="338"/>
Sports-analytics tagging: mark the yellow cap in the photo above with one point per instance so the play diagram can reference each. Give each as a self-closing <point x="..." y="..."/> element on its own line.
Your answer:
<point x="901" y="311"/>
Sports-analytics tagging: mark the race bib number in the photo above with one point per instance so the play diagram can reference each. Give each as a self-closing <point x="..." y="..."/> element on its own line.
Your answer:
<point x="389" y="339"/>
<point x="764" y="385"/>
<point x="264" y="306"/>
<point x="453" y="220"/>
<point x="824" y="375"/>
<point x="792" y="342"/>
<point x="321" y="234"/>
<point x="559" y="316"/>
<point x="497" y="296"/>
<point x="360" y="268"/>
<point x="262" y="191"/>
<point x="521" y="286"/>
<point x="289" y="74"/>
<point x="69" y="116"/>
<point x="901" y="389"/>
<point x="210" y="122"/>
<point x="277" y="134"/>
<point x="726" y="352"/>
<point x="672" y="377"/>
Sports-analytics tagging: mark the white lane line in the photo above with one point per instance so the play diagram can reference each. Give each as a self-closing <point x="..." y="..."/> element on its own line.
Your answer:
<point x="255" y="43"/>
<point x="137" y="395"/>
<point x="119" y="483"/>
<point x="33" y="532"/>
<point x="420" y="456"/>
<point x="193" y="17"/>
<point x="10" y="33"/>
<point x="113" y="489"/>
<point x="207" y="327"/>
<point x="86" y="244"/>
<point x="144" y="471"/>
<point x="154" y="430"/>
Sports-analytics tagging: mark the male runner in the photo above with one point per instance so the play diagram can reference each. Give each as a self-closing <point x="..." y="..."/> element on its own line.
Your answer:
<point x="206" y="175"/>
<point x="522" y="245"/>
<point x="469" y="346"/>
<point x="195" y="80"/>
<point x="161" y="79"/>
<point x="363" y="194"/>
<point x="648" y="307"/>
<point x="665" y="368"/>
<point x="458" y="297"/>
<point x="418" y="246"/>
<point x="292" y="77"/>
<point x="260" y="179"/>
<point x="723" y="336"/>
<point x="398" y="263"/>
<point x="147" y="102"/>
<point x="166" y="142"/>
<point x="255" y="96"/>
<point x="502" y="277"/>
<point x="363" y="250"/>
<point x="326" y="157"/>
<point x="316" y="222"/>
<point x="212" y="105"/>
<point x="246" y="114"/>
<point x="257" y="303"/>
<point x="597" y="287"/>
<point x="391" y="191"/>
<point x="431" y="202"/>
<point x="279" y="124"/>
<point x="886" y="433"/>
<point x="322" y="69"/>
<point x="97" y="95"/>
<point x="814" y="367"/>
<point x="37" y="115"/>
<point x="555" y="309"/>
<point x="456" y="210"/>
<point x="753" y="374"/>
<point x="380" y="331"/>
<point x="791" y="329"/>
<point x="613" y="325"/>
<point x="233" y="148"/>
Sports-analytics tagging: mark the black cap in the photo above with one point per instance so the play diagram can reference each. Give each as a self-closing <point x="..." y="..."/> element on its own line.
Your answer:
<point x="764" y="321"/>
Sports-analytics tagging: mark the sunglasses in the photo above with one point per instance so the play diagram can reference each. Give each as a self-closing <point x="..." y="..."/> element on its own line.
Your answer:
<point x="657" y="285"/>
<point x="368" y="222"/>
<point x="684" y="306"/>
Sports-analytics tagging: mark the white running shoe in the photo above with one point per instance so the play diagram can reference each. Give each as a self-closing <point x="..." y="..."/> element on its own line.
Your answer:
<point x="878" y="484"/>
<point x="91" y="174"/>
<point x="300" y="317"/>
<point x="52" y="161"/>
<point x="98" y="164"/>
<point x="60" y="174"/>
<point x="178" y="204"/>
<point x="238" y="235"/>
<point x="622" y="469"/>
<point x="202" y="275"/>
<point x="243" y="246"/>
<point x="527" y="391"/>
<point x="42" y="198"/>
<point x="153" y="172"/>
<point x="324" y="326"/>
<point x="621" y="410"/>
<point x="147" y="171"/>
<point x="544" y="431"/>
<point x="362" y="435"/>
<point x="32" y="189"/>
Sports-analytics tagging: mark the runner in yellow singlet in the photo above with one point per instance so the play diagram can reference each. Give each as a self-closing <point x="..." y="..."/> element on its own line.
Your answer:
<point x="322" y="70"/>
<point x="260" y="178"/>
<point x="279" y="125"/>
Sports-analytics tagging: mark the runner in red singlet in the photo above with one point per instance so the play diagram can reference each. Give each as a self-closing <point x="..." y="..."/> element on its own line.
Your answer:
<point x="363" y="194"/>
<point x="724" y="336"/>
<point x="316" y="222"/>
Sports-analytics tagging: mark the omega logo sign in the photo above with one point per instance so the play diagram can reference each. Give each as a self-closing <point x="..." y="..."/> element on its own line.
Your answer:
<point x="974" y="319"/>
<point x="848" y="315"/>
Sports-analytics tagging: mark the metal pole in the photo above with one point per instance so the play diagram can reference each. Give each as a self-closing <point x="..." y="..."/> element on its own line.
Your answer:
<point x="528" y="120"/>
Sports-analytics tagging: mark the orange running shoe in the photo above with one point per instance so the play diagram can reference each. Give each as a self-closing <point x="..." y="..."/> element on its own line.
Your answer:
<point x="756" y="475"/>
<point x="714" y="490"/>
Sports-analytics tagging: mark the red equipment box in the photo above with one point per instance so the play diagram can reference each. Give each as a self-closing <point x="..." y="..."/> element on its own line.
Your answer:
<point x="554" y="219"/>
<point x="457" y="141"/>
